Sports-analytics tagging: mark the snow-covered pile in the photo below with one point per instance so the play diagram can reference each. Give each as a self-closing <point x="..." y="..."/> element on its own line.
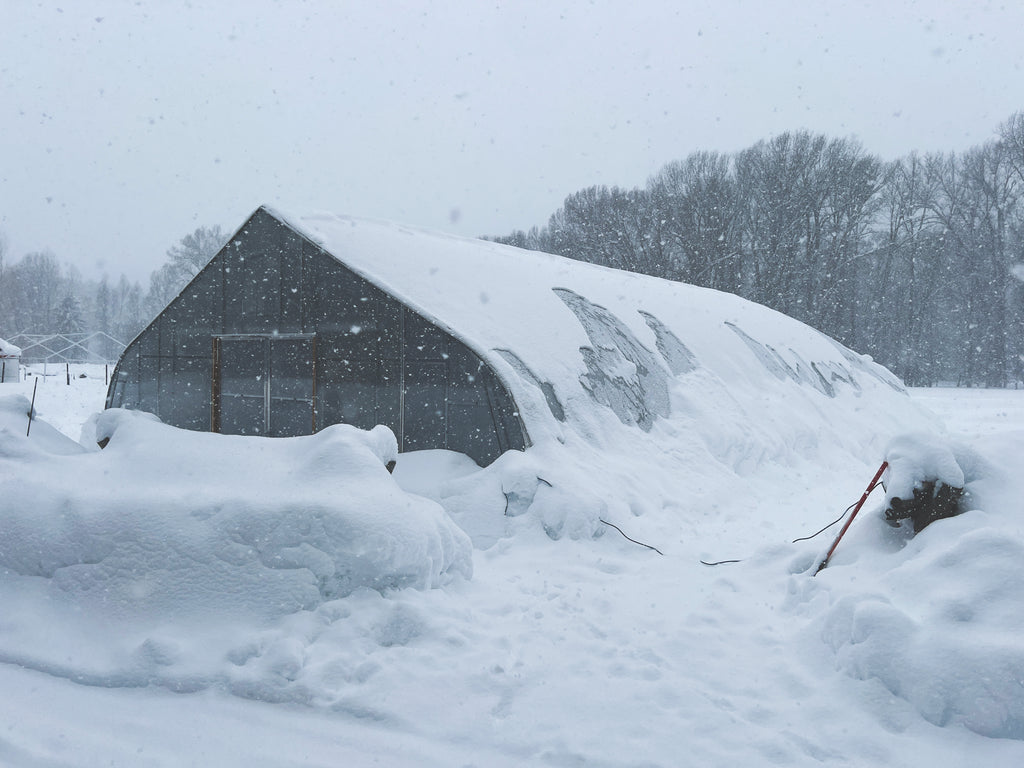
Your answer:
<point x="15" y="422"/>
<point x="913" y="458"/>
<point x="937" y="618"/>
<point x="904" y="651"/>
<point x="638" y="394"/>
<point x="169" y="521"/>
<point x="940" y="626"/>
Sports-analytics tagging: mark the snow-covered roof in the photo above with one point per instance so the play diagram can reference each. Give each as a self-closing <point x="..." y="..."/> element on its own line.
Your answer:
<point x="9" y="350"/>
<point x="618" y="358"/>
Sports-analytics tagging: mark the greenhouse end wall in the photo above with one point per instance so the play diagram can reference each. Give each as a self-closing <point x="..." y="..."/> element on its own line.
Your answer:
<point x="276" y="337"/>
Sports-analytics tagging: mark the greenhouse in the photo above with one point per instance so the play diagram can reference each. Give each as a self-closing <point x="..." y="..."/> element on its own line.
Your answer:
<point x="470" y="346"/>
<point x="276" y="337"/>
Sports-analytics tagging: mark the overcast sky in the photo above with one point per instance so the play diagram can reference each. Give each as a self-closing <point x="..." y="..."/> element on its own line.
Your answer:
<point x="125" y="125"/>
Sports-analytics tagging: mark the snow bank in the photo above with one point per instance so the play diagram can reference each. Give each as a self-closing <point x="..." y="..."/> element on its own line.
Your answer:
<point x="944" y="632"/>
<point x="169" y="521"/>
<point x="937" y="618"/>
<point x="41" y="438"/>
<point x="900" y="653"/>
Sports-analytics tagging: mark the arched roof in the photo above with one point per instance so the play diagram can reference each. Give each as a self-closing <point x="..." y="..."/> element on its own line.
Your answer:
<point x="612" y="356"/>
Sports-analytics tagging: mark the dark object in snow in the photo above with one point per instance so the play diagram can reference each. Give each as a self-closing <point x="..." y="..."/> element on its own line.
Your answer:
<point x="933" y="500"/>
<point x="628" y="538"/>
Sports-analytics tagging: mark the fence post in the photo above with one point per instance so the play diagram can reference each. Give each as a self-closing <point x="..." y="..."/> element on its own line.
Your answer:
<point x="32" y="408"/>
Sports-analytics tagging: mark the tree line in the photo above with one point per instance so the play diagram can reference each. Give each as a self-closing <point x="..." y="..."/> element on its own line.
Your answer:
<point x="918" y="262"/>
<point x="40" y="295"/>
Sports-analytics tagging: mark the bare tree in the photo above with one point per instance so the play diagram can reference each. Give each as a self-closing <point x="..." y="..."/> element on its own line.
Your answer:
<point x="695" y="203"/>
<point x="35" y="287"/>
<point x="194" y="252"/>
<point x="912" y="261"/>
<point x="185" y="260"/>
<point x="979" y="193"/>
<point x="612" y="227"/>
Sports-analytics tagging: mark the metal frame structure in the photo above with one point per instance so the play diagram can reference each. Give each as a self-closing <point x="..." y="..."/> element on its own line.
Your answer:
<point x="65" y="347"/>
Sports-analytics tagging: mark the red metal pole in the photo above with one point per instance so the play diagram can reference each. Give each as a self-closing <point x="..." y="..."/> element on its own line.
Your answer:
<point x="867" y="492"/>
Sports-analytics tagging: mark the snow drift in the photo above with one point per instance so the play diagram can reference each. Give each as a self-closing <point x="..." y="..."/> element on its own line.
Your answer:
<point x="936" y="617"/>
<point x="169" y="521"/>
<point x="903" y="652"/>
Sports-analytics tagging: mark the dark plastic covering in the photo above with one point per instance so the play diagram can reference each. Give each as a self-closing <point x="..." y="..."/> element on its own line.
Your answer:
<point x="277" y="337"/>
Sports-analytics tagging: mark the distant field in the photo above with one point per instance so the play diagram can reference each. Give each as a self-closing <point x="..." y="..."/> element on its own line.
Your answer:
<point x="974" y="411"/>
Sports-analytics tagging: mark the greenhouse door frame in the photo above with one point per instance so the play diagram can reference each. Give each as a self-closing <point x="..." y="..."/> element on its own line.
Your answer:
<point x="268" y="392"/>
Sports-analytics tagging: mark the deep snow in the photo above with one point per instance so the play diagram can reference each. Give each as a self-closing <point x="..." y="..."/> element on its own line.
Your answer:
<point x="591" y="651"/>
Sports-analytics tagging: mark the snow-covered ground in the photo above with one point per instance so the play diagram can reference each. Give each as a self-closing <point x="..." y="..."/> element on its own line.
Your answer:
<point x="222" y="621"/>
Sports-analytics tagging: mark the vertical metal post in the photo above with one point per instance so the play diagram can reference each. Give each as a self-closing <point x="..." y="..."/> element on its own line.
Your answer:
<point x="313" y="354"/>
<point x="215" y="394"/>
<point x="32" y="408"/>
<point x="401" y="379"/>
<point x="267" y="373"/>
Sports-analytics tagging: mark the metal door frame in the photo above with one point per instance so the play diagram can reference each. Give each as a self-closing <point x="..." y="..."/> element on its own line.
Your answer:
<point x="268" y="338"/>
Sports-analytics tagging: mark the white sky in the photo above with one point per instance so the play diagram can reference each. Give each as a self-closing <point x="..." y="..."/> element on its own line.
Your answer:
<point x="125" y="125"/>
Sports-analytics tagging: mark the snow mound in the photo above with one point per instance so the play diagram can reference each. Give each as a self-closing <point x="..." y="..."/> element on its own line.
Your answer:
<point x="937" y="618"/>
<point x="518" y="493"/>
<point x="916" y="457"/>
<point x="41" y="438"/>
<point x="945" y="635"/>
<point x="165" y="520"/>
